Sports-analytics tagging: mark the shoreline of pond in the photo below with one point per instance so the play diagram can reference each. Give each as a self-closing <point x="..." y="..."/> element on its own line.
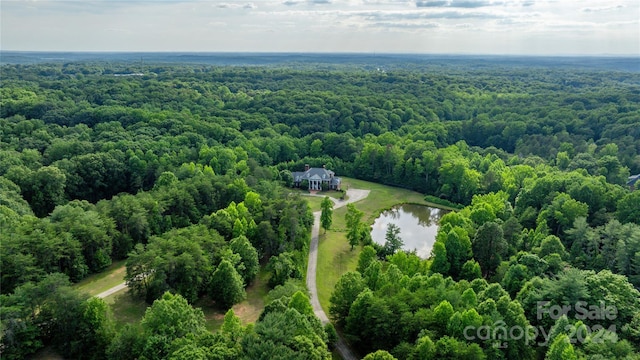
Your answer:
<point x="415" y="221"/>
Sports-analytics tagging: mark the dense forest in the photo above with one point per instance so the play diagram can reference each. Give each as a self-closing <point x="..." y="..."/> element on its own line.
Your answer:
<point x="183" y="171"/>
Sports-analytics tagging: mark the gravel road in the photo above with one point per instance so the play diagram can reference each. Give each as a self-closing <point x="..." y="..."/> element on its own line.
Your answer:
<point x="113" y="290"/>
<point x="353" y="196"/>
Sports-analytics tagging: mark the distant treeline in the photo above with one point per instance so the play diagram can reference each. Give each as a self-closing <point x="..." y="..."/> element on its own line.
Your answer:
<point x="182" y="171"/>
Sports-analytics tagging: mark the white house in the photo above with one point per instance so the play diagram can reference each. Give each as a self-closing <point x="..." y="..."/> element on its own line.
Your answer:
<point x="316" y="177"/>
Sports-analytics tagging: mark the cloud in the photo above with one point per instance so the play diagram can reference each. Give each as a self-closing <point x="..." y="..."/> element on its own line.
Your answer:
<point x="495" y="26"/>
<point x="118" y="30"/>
<point x="406" y="25"/>
<point x="311" y="2"/>
<point x="602" y="8"/>
<point x="236" y="6"/>
<point x="414" y="15"/>
<point x="432" y="3"/>
<point x="467" y="4"/>
<point x="386" y="2"/>
<point x="463" y="15"/>
<point x="380" y="16"/>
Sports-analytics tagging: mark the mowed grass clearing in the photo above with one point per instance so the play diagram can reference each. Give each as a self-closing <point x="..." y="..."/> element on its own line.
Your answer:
<point x="335" y="256"/>
<point x="314" y="202"/>
<point x="128" y="309"/>
<point x="96" y="283"/>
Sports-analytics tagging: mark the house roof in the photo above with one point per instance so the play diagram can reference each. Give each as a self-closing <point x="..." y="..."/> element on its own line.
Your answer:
<point x="633" y="179"/>
<point x="313" y="174"/>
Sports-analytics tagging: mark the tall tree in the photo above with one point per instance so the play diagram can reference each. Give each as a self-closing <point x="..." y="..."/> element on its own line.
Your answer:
<point x="366" y="257"/>
<point x="628" y="209"/>
<point x="300" y="302"/>
<point x="458" y="246"/>
<point x="562" y="212"/>
<point x="393" y="241"/>
<point x="440" y="263"/>
<point x="561" y="349"/>
<point x="232" y="327"/>
<point x="249" y="264"/>
<point x="48" y="189"/>
<point x="283" y="267"/>
<point x="90" y="228"/>
<point x="169" y="318"/>
<point x="227" y="287"/>
<point x="488" y="247"/>
<point x="353" y="218"/>
<point x="344" y="294"/>
<point x="326" y="217"/>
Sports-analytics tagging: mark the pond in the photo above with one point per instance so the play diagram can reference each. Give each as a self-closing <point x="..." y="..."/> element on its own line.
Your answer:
<point x="418" y="227"/>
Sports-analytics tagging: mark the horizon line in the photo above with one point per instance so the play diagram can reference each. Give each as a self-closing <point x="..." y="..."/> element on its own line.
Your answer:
<point x="372" y="53"/>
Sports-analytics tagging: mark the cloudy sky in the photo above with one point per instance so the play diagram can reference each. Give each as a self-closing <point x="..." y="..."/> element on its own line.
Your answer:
<point x="562" y="27"/>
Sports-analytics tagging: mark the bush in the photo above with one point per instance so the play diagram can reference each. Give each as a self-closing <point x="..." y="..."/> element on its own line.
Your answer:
<point x="444" y="202"/>
<point x="332" y="335"/>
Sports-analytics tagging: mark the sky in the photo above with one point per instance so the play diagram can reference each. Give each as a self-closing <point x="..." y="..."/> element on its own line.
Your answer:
<point x="510" y="27"/>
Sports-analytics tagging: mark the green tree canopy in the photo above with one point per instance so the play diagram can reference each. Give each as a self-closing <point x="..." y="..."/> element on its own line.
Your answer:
<point x="326" y="217"/>
<point x="227" y="287"/>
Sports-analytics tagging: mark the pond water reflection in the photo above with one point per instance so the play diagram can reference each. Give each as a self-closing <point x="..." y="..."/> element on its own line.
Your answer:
<point x="418" y="227"/>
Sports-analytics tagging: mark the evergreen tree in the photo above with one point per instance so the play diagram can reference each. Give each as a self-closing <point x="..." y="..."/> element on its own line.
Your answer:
<point x="488" y="247"/>
<point x="561" y="349"/>
<point x="249" y="264"/>
<point x="367" y="256"/>
<point x="393" y="241"/>
<point x="227" y="287"/>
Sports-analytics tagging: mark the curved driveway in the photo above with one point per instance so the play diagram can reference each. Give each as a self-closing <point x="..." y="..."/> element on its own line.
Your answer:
<point x="354" y="195"/>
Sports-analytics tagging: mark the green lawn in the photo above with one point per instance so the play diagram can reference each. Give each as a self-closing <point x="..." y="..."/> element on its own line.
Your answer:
<point x="335" y="256"/>
<point x="97" y="283"/>
<point x="381" y="197"/>
<point x="126" y="308"/>
<point x="314" y="202"/>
